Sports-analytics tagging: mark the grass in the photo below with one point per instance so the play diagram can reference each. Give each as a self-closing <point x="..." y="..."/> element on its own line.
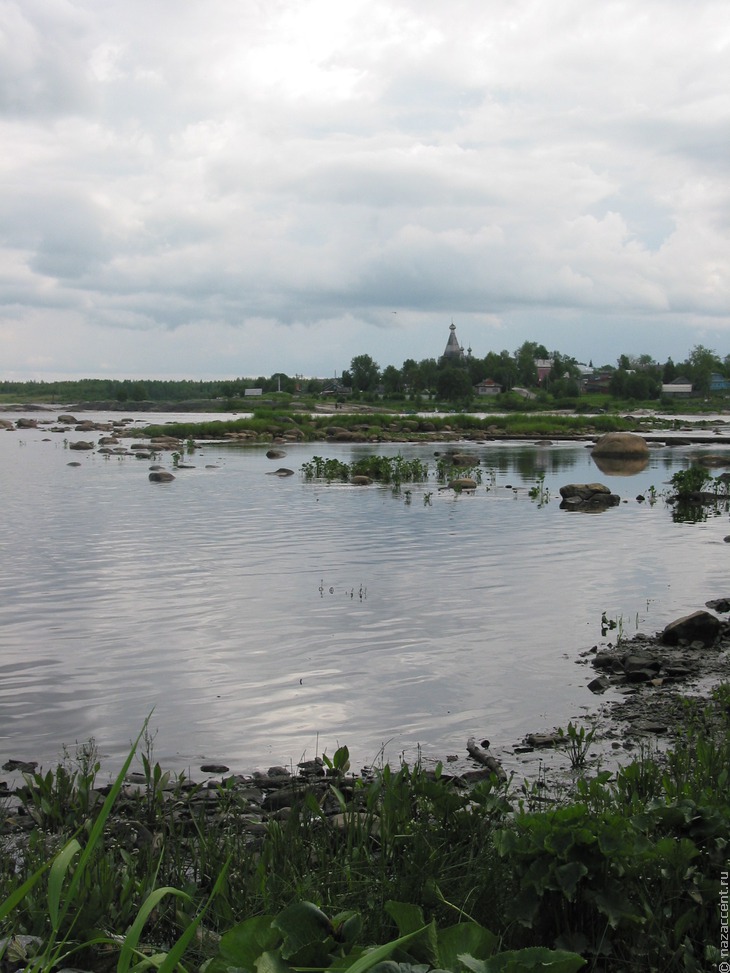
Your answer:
<point x="383" y="426"/>
<point x="624" y="872"/>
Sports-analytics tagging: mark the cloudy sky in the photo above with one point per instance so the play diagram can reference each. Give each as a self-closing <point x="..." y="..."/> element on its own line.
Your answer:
<point x="201" y="188"/>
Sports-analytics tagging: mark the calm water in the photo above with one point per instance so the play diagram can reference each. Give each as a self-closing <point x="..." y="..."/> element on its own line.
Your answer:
<point x="267" y="619"/>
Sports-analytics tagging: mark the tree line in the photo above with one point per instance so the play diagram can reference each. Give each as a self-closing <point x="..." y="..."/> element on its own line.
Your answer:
<point x="632" y="377"/>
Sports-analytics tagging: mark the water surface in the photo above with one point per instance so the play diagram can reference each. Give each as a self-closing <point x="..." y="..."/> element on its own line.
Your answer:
<point x="267" y="619"/>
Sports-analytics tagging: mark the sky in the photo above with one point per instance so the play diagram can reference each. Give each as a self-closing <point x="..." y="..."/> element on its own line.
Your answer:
<point x="242" y="187"/>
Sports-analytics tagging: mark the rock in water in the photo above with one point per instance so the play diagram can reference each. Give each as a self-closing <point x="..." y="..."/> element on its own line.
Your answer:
<point x="700" y="626"/>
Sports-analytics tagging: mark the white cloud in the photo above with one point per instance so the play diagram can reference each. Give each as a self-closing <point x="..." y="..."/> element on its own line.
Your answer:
<point x="279" y="177"/>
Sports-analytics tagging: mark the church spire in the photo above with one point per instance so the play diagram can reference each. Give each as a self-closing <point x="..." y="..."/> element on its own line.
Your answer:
<point x="453" y="349"/>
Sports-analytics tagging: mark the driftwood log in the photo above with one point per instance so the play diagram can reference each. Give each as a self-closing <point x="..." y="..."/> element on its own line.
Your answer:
<point x="483" y="756"/>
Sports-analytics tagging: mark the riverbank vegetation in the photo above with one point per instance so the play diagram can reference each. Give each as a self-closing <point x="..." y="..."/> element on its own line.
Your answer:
<point x="268" y="424"/>
<point x="530" y="379"/>
<point x="624" y="869"/>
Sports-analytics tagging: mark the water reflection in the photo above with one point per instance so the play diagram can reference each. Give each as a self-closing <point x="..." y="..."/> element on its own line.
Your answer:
<point x="621" y="465"/>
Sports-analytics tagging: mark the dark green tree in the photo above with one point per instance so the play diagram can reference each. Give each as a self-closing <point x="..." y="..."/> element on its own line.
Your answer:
<point x="453" y="384"/>
<point x="365" y="373"/>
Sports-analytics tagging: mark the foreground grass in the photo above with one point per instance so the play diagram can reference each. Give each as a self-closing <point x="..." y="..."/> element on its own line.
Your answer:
<point x="626" y="873"/>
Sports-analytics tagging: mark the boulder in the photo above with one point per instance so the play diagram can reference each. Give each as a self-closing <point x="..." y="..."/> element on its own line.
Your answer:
<point x="620" y="444"/>
<point x="81" y="444"/>
<point x="700" y="626"/>
<point x="275" y="454"/>
<point x="360" y="480"/>
<point x="27" y="424"/>
<point x="463" y="459"/>
<point x="462" y="483"/>
<point x="282" y="471"/>
<point x="161" y="476"/>
<point x="591" y="497"/>
<point x="68" y="418"/>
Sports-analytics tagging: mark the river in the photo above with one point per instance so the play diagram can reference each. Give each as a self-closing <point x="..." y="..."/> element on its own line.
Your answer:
<point x="263" y="620"/>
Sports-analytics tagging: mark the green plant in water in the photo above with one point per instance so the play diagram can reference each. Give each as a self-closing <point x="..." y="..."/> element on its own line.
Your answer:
<point x="613" y="624"/>
<point x="57" y="799"/>
<point x="578" y="741"/>
<point x="689" y="481"/>
<point x="539" y="491"/>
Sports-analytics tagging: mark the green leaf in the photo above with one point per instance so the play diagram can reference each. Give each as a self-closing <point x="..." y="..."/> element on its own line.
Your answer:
<point x="244" y="943"/>
<point x="465" y="938"/>
<point x="269" y="962"/>
<point x="568" y="877"/>
<point x="132" y="938"/>
<point x="523" y="907"/>
<point x="367" y="960"/>
<point x="409" y="918"/>
<point x="59" y="868"/>
<point x="16" y="897"/>
<point x="614" y="904"/>
<point x="171" y="960"/>
<point x="302" y="924"/>
<point x="533" y="959"/>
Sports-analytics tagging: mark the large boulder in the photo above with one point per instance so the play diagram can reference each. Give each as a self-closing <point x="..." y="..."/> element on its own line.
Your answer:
<point x="700" y="626"/>
<point x="589" y="497"/>
<point x="620" y="444"/>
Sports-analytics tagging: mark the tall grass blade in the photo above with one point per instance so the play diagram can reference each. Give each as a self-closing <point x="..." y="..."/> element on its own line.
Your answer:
<point x="16" y="897"/>
<point x="132" y="938"/>
<point x="56" y="878"/>
<point x="363" y="963"/>
<point x="173" y="957"/>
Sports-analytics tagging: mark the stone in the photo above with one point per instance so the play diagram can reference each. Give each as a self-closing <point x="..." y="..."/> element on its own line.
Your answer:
<point x="360" y="480"/>
<point x="275" y="454"/>
<point x="633" y="663"/>
<point x="583" y="490"/>
<point x="462" y="483"/>
<point x="81" y="444"/>
<point x="599" y="685"/>
<point x="587" y="497"/>
<point x="719" y="605"/>
<point x="24" y="766"/>
<point x="620" y="444"/>
<point x="700" y="627"/>
<point x="282" y="471"/>
<point x="160" y="476"/>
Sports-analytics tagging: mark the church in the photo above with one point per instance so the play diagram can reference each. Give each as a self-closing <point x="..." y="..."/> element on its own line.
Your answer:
<point x="453" y="350"/>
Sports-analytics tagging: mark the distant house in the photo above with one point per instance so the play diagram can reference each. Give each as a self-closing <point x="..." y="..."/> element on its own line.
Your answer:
<point x="719" y="385"/>
<point x="680" y="388"/>
<point x="596" y="382"/>
<point x="488" y="387"/>
<point x="544" y="367"/>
